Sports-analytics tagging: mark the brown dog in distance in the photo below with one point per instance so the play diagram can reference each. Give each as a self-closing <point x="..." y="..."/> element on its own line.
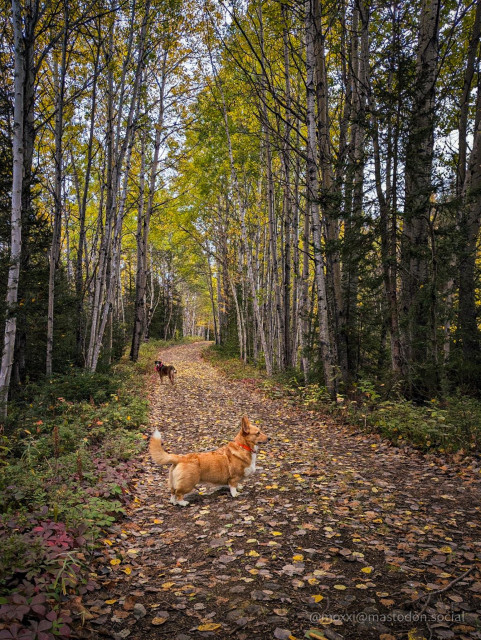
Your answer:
<point x="165" y="370"/>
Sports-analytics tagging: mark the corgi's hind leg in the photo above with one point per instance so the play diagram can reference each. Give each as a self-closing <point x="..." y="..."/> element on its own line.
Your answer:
<point x="184" y="478"/>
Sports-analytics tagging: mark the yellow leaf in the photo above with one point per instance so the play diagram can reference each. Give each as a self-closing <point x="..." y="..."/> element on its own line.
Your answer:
<point x="109" y="542"/>
<point x="276" y="533"/>
<point x="446" y="549"/>
<point x="115" y="561"/>
<point x="167" y="585"/>
<point x="298" y="558"/>
<point x="110" y="601"/>
<point x="253" y="553"/>
<point x="315" y="634"/>
<point x="210" y="626"/>
<point x="361" y="585"/>
<point x="158" y="621"/>
<point x="251" y="540"/>
<point x="127" y="570"/>
<point x="313" y="581"/>
<point x="157" y="521"/>
<point x="366" y="569"/>
<point x="340" y="587"/>
<point x="317" y="597"/>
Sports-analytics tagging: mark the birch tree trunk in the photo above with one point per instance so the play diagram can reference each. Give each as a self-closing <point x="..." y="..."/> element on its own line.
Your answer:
<point x="106" y="232"/>
<point x="417" y="290"/>
<point x="313" y="202"/>
<point x="140" y="318"/>
<point x="242" y="214"/>
<point x="16" y="216"/>
<point x="280" y="316"/>
<point x="290" y="228"/>
<point x="328" y="197"/>
<point x="141" y="271"/>
<point x="122" y="151"/>
<point x="81" y="247"/>
<point x="468" y="191"/>
<point x="470" y="221"/>
<point x="54" y="256"/>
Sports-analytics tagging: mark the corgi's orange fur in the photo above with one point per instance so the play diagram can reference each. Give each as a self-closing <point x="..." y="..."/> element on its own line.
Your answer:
<point x="225" y="466"/>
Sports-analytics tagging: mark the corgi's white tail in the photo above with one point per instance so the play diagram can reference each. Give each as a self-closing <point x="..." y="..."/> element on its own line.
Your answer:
<point x="158" y="453"/>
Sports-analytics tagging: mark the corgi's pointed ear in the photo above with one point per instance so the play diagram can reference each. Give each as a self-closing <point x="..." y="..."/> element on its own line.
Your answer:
<point x="245" y="424"/>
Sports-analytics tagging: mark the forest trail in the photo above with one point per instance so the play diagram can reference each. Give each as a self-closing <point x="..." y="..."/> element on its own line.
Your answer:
<point x="335" y="533"/>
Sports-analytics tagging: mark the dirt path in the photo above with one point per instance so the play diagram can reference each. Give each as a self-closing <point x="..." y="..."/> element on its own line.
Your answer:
<point x="336" y="533"/>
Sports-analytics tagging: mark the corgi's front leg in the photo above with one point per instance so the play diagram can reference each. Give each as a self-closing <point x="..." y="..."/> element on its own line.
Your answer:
<point x="233" y="488"/>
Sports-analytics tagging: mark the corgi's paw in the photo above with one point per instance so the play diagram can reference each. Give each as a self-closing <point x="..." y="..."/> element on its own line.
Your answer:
<point x="173" y="500"/>
<point x="182" y="503"/>
<point x="233" y="492"/>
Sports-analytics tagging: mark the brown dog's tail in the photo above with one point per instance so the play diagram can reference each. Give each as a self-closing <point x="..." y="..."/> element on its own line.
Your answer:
<point x="158" y="453"/>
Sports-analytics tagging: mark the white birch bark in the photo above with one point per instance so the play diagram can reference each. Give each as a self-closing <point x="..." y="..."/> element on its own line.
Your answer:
<point x="115" y="209"/>
<point x="313" y="202"/>
<point x="242" y="213"/>
<point x="54" y="256"/>
<point x="16" y="217"/>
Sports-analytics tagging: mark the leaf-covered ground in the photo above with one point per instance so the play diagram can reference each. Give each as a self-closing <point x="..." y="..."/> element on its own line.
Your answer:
<point x="339" y="535"/>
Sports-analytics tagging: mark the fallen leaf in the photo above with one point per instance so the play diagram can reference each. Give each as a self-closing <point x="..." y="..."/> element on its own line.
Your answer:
<point x="209" y="626"/>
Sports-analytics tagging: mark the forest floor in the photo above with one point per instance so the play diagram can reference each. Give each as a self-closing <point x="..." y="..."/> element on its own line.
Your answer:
<point x="338" y="535"/>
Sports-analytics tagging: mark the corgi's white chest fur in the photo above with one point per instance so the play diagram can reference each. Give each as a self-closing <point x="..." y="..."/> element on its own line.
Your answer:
<point x="252" y="467"/>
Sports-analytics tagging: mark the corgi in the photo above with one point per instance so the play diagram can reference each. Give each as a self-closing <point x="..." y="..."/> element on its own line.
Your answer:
<point x="226" y="466"/>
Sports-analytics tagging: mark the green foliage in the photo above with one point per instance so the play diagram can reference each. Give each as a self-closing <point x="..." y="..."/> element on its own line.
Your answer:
<point x="69" y="450"/>
<point x="233" y="368"/>
<point x="313" y="395"/>
<point x="450" y="425"/>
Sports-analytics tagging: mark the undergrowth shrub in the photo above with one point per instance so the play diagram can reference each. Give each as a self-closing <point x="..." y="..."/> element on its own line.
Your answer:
<point x="66" y="460"/>
<point x="449" y="424"/>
